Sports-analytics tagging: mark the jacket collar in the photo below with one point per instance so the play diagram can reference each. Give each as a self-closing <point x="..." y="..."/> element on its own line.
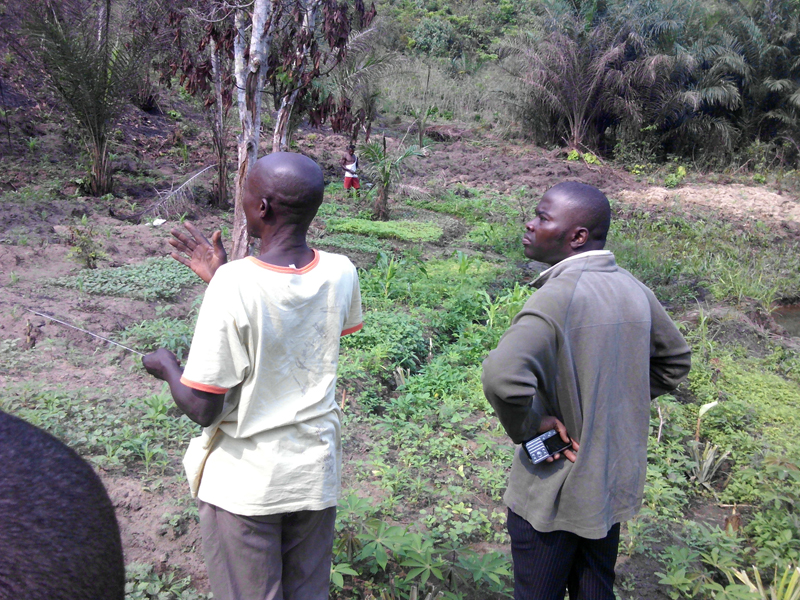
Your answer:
<point x="599" y="259"/>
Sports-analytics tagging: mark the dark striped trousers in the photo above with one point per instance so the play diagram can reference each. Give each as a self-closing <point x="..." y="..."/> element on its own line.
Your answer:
<point x="547" y="564"/>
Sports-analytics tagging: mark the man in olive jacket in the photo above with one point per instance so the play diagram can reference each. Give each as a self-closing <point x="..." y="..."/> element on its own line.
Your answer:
<point x="585" y="356"/>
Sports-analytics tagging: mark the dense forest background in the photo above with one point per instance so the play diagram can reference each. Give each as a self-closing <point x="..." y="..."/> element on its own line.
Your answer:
<point x="714" y="83"/>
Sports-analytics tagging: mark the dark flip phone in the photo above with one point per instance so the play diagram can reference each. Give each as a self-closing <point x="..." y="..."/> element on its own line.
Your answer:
<point x="544" y="446"/>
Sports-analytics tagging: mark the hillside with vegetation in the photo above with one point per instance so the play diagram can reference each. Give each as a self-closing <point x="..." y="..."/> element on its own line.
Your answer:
<point x="683" y="113"/>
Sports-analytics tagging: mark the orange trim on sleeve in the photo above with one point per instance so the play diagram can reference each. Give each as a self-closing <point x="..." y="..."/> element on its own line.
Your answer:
<point x="350" y="330"/>
<point x="290" y="270"/>
<point x="203" y="387"/>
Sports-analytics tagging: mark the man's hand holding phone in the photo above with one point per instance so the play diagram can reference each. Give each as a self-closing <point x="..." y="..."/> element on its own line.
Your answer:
<point x="554" y="446"/>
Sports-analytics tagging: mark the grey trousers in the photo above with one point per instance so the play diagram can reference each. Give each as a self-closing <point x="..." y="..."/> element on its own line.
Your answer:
<point x="272" y="557"/>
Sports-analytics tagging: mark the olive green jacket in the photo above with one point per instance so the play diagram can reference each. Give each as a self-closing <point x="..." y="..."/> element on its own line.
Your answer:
<point x="591" y="347"/>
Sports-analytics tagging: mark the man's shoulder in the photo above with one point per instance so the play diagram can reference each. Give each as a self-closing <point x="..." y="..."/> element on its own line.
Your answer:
<point x="334" y="259"/>
<point x="234" y="270"/>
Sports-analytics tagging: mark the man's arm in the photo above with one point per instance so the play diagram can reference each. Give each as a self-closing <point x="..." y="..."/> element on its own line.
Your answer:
<point x="201" y="407"/>
<point x="512" y="373"/>
<point x="670" y="355"/>
<point x="202" y="257"/>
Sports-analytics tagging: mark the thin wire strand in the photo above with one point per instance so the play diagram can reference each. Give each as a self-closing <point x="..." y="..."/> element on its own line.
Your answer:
<point x="84" y="331"/>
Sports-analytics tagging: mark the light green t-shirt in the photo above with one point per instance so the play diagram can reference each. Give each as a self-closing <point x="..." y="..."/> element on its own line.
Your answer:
<point x="268" y="337"/>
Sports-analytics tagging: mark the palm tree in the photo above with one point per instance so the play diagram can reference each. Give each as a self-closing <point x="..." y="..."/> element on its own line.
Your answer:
<point x="90" y="66"/>
<point x="384" y="169"/>
<point x="577" y="79"/>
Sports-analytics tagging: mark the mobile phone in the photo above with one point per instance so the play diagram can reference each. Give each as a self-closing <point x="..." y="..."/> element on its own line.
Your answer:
<point x="544" y="446"/>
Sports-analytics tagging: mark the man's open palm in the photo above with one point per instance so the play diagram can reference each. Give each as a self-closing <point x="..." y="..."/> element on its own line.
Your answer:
<point x="201" y="256"/>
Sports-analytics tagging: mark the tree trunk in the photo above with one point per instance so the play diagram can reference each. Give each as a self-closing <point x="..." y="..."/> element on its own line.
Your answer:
<point x="280" y="136"/>
<point x="250" y="76"/>
<point x="100" y="182"/>
<point x="219" y="129"/>
<point x="380" y="210"/>
<point x="367" y="131"/>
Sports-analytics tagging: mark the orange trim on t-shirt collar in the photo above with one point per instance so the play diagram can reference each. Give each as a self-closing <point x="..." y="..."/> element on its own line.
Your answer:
<point x="290" y="270"/>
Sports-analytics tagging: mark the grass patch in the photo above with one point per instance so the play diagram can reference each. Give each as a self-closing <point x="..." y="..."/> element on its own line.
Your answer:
<point x="153" y="279"/>
<point x="408" y="231"/>
<point x="502" y="238"/>
<point x="472" y="205"/>
<point x="31" y="195"/>
<point x="682" y="256"/>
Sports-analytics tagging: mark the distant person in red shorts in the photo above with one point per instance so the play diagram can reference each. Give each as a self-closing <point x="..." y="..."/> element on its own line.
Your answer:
<point x="349" y="163"/>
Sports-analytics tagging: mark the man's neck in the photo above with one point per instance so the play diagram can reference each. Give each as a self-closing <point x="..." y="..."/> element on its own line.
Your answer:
<point x="286" y="247"/>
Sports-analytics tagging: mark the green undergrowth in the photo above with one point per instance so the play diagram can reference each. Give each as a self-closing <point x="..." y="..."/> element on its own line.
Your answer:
<point x="683" y="256"/>
<point x="472" y="205"/>
<point x="437" y="461"/>
<point x="409" y="231"/>
<point x="746" y="463"/>
<point x="147" y="435"/>
<point x="153" y="279"/>
<point x="144" y="583"/>
<point x="33" y="195"/>
<point x="174" y="334"/>
<point x="504" y="238"/>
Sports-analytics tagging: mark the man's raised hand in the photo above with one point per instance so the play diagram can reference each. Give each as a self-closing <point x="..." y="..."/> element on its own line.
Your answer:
<point x="201" y="256"/>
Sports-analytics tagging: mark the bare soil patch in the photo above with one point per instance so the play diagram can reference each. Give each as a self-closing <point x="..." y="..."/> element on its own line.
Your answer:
<point x="736" y="200"/>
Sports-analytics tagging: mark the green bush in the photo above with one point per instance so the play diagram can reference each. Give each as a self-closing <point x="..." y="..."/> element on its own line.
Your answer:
<point x="396" y="336"/>
<point x="434" y="36"/>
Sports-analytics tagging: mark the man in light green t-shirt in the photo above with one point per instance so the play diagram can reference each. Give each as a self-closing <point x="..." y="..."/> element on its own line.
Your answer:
<point x="261" y="377"/>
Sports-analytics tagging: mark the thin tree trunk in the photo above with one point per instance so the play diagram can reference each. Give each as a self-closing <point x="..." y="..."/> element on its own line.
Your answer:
<point x="250" y="76"/>
<point x="280" y="137"/>
<point x="219" y="129"/>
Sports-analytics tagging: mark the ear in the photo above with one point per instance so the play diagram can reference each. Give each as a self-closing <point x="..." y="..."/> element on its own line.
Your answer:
<point x="264" y="208"/>
<point x="580" y="236"/>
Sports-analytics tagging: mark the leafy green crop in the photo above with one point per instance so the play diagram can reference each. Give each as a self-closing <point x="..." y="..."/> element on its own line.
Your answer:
<point x="352" y="243"/>
<point x="153" y="279"/>
<point x="395" y="336"/>
<point x="173" y="334"/>
<point x="409" y="231"/>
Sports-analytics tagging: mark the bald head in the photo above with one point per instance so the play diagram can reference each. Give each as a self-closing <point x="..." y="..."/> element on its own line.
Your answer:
<point x="588" y="207"/>
<point x="291" y="183"/>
